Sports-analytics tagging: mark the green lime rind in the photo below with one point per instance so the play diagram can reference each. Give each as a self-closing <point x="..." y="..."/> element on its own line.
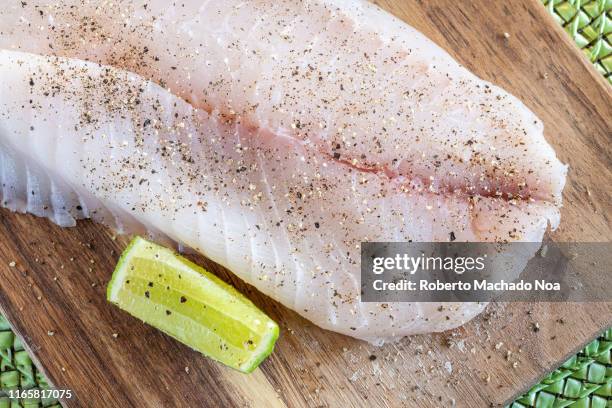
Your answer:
<point x="192" y="305"/>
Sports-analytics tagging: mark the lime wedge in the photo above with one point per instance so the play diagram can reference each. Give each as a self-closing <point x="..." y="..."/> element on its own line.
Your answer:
<point x="192" y="305"/>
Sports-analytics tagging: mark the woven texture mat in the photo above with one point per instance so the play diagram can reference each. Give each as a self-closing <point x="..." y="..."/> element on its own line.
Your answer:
<point x="584" y="381"/>
<point x="589" y="24"/>
<point x="18" y="372"/>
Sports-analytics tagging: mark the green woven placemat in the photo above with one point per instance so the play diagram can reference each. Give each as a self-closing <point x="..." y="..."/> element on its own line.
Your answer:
<point x="588" y="23"/>
<point x="584" y="381"/>
<point x="18" y="372"/>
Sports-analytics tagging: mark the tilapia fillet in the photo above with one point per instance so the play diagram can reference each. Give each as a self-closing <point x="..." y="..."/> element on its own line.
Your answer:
<point x="273" y="137"/>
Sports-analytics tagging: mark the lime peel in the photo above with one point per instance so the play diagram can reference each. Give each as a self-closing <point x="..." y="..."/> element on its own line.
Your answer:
<point x="192" y="305"/>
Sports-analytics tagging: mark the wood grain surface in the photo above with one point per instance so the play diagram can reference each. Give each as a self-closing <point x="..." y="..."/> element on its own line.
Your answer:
<point x="58" y="283"/>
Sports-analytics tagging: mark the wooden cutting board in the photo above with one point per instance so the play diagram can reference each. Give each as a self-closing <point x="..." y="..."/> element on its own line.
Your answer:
<point x="59" y="282"/>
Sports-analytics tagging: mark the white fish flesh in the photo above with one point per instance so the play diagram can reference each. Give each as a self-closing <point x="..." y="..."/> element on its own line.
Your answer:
<point x="342" y="75"/>
<point x="82" y="140"/>
<point x="285" y="134"/>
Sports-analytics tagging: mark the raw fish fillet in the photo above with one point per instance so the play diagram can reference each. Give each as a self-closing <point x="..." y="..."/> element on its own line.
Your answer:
<point x="282" y="136"/>
<point x="343" y="75"/>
